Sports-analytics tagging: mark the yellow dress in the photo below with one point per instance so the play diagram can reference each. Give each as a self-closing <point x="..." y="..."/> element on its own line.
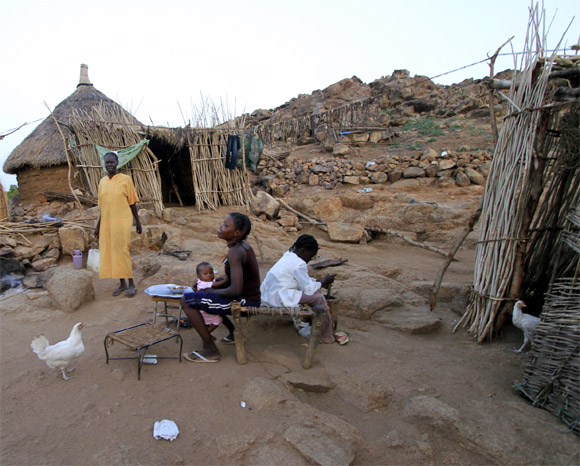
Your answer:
<point x="116" y="194"/>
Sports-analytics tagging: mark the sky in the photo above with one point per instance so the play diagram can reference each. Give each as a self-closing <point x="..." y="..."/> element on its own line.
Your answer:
<point x="159" y="59"/>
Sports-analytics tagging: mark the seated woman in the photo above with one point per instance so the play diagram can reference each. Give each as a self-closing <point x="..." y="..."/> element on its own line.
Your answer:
<point x="287" y="283"/>
<point x="242" y="284"/>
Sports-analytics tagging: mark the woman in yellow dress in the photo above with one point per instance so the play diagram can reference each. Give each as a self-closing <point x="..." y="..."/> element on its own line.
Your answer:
<point x="118" y="201"/>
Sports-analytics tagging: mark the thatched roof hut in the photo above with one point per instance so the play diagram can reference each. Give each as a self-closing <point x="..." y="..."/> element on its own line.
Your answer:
<point x="177" y="165"/>
<point x="40" y="161"/>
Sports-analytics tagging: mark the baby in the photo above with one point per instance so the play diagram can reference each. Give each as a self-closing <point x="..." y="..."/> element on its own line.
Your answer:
<point x="206" y="280"/>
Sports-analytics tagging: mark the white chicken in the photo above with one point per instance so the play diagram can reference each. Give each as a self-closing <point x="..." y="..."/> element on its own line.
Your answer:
<point x="525" y="322"/>
<point x="62" y="353"/>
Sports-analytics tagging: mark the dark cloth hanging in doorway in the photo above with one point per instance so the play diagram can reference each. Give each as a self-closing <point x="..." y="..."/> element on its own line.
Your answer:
<point x="234" y="146"/>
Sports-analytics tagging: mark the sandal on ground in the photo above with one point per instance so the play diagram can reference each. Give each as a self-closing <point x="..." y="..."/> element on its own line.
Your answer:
<point x="131" y="292"/>
<point x="195" y="356"/>
<point x="227" y="341"/>
<point x="119" y="290"/>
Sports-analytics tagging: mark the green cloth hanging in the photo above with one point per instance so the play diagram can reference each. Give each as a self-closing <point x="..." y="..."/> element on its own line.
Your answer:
<point x="125" y="155"/>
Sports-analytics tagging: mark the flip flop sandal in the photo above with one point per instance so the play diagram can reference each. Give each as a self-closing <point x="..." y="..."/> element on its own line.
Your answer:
<point x="194" y="356"/>
<point x="118" y="291"/>
<point x="341" y="338"/>
<point x="227" y="341"/>
<point x="131" y="292"/>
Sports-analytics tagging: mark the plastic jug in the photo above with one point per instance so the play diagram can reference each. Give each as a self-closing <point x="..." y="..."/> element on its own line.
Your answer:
<point x="77" y="259"/>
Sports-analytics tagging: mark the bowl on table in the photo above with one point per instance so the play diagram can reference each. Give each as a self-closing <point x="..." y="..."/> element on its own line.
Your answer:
<point x="177" y="290"/>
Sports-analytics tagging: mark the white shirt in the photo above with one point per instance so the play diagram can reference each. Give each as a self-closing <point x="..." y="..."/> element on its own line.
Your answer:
<point x="286" y="281"/>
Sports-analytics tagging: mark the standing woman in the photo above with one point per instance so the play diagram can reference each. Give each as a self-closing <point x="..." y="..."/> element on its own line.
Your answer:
<point x="118" y="201"/>
<point x="242" y="284"/>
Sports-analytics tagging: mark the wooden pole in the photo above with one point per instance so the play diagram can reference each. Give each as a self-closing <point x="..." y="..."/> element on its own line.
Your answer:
<point x="78" y="203"/>
<point x="468" y="228"/>
<point x="490" y="91"/>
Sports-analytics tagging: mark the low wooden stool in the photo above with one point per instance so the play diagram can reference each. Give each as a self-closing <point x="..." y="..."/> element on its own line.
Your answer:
<point x="139" y="338"/>
<point x="241" y="331"/>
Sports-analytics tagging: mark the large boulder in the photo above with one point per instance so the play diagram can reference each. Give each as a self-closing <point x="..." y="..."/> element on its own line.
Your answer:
<point x="72" y="238"/>
<point x="345" y="232"/>
<point x="263" y="203"/>
<point x="70" y="288"/>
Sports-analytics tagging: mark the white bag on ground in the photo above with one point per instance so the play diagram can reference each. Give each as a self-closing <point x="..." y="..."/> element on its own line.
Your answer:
<point x="93" y="260"/>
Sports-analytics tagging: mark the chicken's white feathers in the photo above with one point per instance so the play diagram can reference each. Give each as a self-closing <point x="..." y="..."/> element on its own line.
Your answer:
<point x="525" y="322"/>
<point x="62" y="353"/>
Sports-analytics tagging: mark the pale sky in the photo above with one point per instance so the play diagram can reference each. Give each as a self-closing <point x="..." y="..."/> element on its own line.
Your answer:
<point x="154" y="57"/>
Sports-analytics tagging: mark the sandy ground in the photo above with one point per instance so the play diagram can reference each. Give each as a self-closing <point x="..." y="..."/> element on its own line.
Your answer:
<point x="105" y="416"/>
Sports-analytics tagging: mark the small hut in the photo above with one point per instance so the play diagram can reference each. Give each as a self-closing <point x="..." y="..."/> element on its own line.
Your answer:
<point x="40" y="161"/>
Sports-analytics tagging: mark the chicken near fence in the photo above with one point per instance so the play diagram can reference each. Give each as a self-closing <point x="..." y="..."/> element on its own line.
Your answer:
<point x="62" y="353"/>
<point x="525" y="322"/>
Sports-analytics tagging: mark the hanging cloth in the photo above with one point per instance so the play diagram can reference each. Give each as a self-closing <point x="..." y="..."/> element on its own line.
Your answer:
<point x="125" y="155"/>
<point x="234" y="146"/>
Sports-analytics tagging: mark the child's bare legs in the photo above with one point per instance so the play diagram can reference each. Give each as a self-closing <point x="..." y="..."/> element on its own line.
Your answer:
<point x="211" y="328"/>
<point x="230" y="326"/>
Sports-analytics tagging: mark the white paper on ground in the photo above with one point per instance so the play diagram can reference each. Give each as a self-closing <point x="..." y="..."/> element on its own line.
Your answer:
<point x="165" y="429"/>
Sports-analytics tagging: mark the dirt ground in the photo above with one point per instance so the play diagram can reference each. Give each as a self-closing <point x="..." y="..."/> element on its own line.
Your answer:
<point x="387" y="397"/>
<point x="104" y="415"/>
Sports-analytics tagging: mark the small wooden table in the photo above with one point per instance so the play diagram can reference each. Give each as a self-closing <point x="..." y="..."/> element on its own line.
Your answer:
<point x="139" y="338"/>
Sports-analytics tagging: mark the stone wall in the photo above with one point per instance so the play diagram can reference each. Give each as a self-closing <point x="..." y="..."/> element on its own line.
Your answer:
<point x="448" y="168"/>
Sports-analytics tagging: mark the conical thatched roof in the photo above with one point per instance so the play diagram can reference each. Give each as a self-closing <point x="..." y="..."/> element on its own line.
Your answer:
<point x="44" y="146"/>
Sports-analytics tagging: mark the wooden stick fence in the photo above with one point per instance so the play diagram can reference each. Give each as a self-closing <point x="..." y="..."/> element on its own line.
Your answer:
<point x="95" y="127"/>
<point x="511" y="194"/>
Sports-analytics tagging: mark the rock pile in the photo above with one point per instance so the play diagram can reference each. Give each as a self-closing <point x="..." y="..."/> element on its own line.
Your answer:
<point x="279" y="175"/>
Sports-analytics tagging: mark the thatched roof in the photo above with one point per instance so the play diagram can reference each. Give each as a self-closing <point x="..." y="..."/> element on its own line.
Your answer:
<point x="44" y="146"/>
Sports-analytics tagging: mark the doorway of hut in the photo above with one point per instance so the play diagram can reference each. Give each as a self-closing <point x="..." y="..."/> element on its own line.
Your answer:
<point x="175" y="171"/>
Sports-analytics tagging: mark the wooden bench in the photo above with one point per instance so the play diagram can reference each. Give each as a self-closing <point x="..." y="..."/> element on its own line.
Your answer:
<point x="316" y="313"/>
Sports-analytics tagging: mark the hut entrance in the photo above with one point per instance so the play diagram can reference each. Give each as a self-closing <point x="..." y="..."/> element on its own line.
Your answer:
<point x="174" y="169"/>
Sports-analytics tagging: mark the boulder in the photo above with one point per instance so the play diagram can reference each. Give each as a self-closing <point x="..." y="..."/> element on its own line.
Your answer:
<point x="395" y="175"/>
<point x="70" y="288"/>
<point x="429" y="154"/>
<point x="351" y="180"/>
<point x="73" y="237"/>
<point x="345" y="232"/>
<point x="323" y="448"/>
<point x="431" y="170"/>
<point x="280" y="190"/>
<point x="413" y="172"/>
<point x="261" y="392"/>
<point x="327" y="209"/>
<point x="43" y="264"/>
<point x="287" y="219"/>
<point x="446" y="164"/>
<point x="474" y="176"/>
<point x="341" y="150"/>
<point x="462" y="180"/>
<point x="313" y="180"/>
<point x="263" y="203"/>
<point x="357" y="201"/>
<point x="379" y="177"/>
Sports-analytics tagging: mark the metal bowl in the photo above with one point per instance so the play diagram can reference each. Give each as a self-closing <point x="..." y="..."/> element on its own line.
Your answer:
<point x="177" y="289"/>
